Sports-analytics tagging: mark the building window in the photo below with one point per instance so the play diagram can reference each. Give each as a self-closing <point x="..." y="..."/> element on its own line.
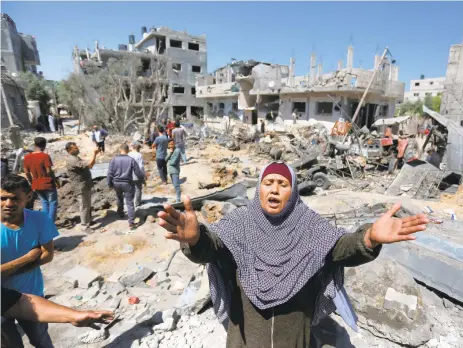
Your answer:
<point x="431" y="83"/>
<point x="428" y="94"/>
<point x="383" y="111"/>
<point x="235" y="106"/>
<point x="324" y="108"/>
<point x="416" y="94"/>
<point x="417" y="83"/>
<point x="179" y="90"/>
<point x="176" y="43"/>
<point x="221" y="106"/>
<point x="193" y="46"/>
<point x="177" y="66"/>
<point x="300" y="107"/>
<point x="196" y="68"/>
<point x="193" y="90"/>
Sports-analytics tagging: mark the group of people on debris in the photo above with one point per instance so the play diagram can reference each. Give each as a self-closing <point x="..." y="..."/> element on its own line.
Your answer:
<point x="50" y="123"/>
<point x="275" y="265"/>
<point x="27" y="235"/>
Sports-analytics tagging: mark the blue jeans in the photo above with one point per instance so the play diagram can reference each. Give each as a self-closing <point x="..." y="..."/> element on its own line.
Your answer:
<point x="36" y="332"/>
<point x="181" y="147"/>
<point x="176" y="182"/>
<point x="49" y="199"/>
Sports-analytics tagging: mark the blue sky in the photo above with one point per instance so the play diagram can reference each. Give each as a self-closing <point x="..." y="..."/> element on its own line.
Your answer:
<point x="419" y="35"/>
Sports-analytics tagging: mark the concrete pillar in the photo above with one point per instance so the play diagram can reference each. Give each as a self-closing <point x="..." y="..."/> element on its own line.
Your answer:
<point x="313" y="65"/>
<point x="319" y="71"/>
<point x="340" y="64"/>
<point x="377" y="58"/>
<point x="188" y="112"/>
<point x="291" y="71"/>
<point x="350" y="57"/>
<point x="171" y="112"/>
<point x="395" y="76"/>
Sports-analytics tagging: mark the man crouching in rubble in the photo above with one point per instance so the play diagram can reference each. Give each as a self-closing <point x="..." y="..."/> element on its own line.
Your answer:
<point x="27" y="243"/>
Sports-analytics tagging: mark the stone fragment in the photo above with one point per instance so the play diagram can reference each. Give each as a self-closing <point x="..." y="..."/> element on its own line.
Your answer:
<point x="401" y="301"/>
<point x="114" y="288"/>
<point x="140" y="275"/>
<point x="161" y="277"/>
<point x="93" y="336"/>
<point x="170" y="318"/>
<point x="81" y="276"/>
<point x="90" y="293"/>
<point x="275" y="153"/>
<point x="111" y="304"/>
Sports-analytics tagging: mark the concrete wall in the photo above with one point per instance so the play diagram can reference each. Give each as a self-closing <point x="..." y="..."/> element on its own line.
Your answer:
<point x="218" y="90"/>
<point x="17" y="104"/>
<point x="452" y="97"/>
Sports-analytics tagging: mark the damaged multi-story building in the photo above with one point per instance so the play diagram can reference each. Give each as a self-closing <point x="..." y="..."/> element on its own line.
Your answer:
<point x="255" y="90"/>
<point x="452" y="97"/>
<point x="186" y="57"/>
<point x="19" y="53"/>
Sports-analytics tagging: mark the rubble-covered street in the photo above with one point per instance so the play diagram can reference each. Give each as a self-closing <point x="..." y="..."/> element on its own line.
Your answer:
<point x="197" y="175"/>
<point x="162" y="300"/>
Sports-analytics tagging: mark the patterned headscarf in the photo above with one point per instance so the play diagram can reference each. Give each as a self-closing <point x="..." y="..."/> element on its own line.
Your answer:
<point x="276" y="255"/>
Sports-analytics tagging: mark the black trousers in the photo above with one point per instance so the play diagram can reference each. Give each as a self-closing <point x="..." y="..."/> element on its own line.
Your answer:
<point x="162" y="169"/>
<point x="125" y="190"/>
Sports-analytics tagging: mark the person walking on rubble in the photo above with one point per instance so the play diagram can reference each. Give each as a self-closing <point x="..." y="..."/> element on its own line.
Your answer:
<point x="294" y="115"/>
<point x="26" y="245"/>
<point x="275" y="266"/>
<point x="51" y="122"/>
<point x="39" y="172"/>
<point x="122" y="169"/>
<point x="59" y="124"/>
<point x="98" y="137"/>
<point x="137" y="156"/>
<point x="173" y="167"/>
<point x="161" y="144"/>
<point x="179" y="137"/>
<point x="81" y="179"/>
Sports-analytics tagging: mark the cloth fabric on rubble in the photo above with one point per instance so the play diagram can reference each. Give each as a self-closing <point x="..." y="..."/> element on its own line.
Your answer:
<point x="277" y="274"/>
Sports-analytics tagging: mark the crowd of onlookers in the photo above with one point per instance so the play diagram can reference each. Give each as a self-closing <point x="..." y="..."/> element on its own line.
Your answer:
<point x="27" y="235"/>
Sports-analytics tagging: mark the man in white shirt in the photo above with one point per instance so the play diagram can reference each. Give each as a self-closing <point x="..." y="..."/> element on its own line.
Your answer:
<point x="99" y="136"/>
<point x="51" y="123"/>
<point x="294" y="116"/>
<point x="137" y="156"/>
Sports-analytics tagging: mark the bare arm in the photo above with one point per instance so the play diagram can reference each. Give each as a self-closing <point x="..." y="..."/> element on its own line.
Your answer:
<point x="36" y="308"/>
<point x="46" y="257"/>
<point x="17" y="265"/>
<point x="92" y="162"/>
<point x="52" y="175"/>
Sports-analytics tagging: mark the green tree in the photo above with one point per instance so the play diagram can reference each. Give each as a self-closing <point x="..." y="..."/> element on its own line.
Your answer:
<point x="436" y="101"/>
<point x="428" y="101"/>
<point x="37" y="90"/>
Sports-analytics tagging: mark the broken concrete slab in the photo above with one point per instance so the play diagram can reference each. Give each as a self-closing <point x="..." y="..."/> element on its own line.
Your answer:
<point x="93" y="336"/>
<point x="81" y="276"/>
<point x="138" y="275"/>
<point x="401" y="301"/>
<point x="161" y="277"/>
<point x="434" y="258"/>
<point x="367" y="286"/>
<point x="170" y="318"/>
<point x="114" y="288"/>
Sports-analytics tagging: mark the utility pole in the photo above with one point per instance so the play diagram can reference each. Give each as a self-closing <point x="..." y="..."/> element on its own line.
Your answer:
<point x="367" y="89"/>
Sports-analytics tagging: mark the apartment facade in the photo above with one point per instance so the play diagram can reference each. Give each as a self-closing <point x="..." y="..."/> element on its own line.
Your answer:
<point x="186" y="57"/>
<point x="256" y="90"/>
<point x="422" y="88"/>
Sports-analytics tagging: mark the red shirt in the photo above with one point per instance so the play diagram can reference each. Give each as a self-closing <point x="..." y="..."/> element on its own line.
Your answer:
<point x="36" y="163"/>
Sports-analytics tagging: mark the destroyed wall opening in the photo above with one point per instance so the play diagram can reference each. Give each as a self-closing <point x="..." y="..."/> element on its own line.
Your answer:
<point x="178" y="90"/>
<point x="196" y="69"/>
<point x="179" y="112"/>
<point x="177" y="66"/>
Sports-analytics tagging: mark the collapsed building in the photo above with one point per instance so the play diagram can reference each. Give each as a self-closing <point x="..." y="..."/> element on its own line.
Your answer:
<point x="452" y="97"/>
<point x="256" y="90"/>
<point x="186" y="57"/>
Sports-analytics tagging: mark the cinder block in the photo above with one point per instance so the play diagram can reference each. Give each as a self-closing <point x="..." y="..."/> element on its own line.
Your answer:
<point x="81" y="276"/>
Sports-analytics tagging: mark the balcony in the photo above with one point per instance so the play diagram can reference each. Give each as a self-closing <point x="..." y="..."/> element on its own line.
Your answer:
<point x="218" y="90"/>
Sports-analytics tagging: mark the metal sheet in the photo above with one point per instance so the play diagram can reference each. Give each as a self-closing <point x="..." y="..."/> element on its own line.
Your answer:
<point x="99" y="170"/>
<point x="390" y="121"/>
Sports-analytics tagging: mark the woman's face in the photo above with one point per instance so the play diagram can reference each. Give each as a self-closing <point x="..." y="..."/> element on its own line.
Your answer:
<point x="275" y="191"/>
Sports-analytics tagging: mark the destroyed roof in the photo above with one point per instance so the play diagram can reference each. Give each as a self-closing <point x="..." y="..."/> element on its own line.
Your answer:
<point x="390" y="121"/>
